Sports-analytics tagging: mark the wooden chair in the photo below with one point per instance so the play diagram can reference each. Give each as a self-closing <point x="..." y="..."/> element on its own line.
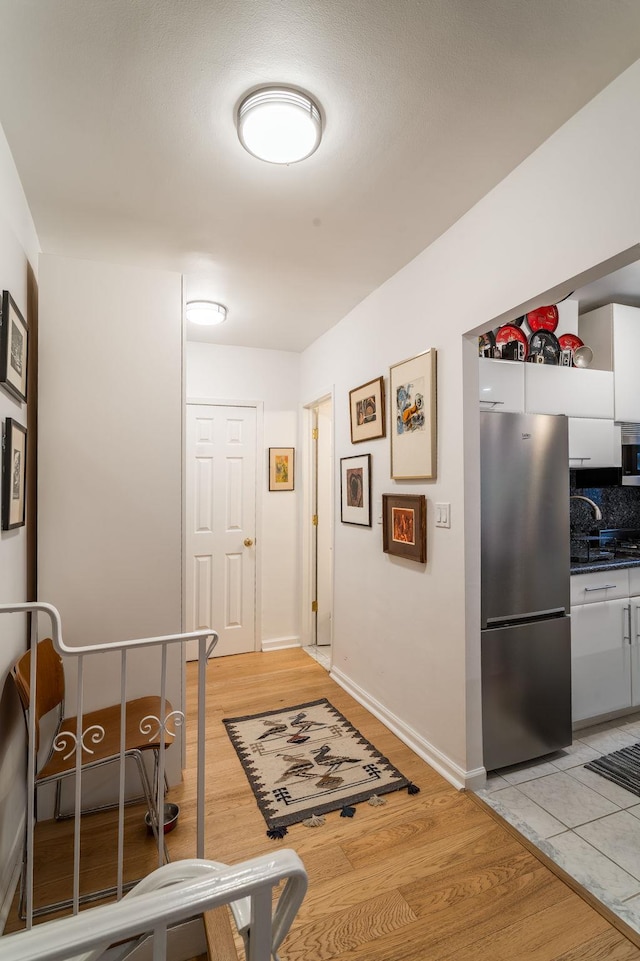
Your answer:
<point x="56" y="760"/>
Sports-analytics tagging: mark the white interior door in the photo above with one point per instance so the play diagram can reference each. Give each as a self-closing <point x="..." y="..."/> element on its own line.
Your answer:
<point x="221" y="521"/>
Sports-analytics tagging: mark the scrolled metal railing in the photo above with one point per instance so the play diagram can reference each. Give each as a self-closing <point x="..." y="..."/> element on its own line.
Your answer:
<point x="163" y="726"/>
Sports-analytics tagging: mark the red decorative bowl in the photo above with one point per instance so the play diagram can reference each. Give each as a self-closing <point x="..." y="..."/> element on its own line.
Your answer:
<point x="544" y="318"/>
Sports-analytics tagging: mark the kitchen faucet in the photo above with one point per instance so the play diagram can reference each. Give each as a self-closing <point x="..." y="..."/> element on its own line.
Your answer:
<point x="596" y="510"/>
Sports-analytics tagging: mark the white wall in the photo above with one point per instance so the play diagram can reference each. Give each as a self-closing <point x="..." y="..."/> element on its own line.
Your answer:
<point x="411" y="647"/>
<point x="272" y="378"/>
<point x="110" y="463"/>
<point x="18" y="255"/>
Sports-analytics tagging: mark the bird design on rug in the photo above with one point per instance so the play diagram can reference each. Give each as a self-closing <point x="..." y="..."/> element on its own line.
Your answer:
<point x="304" y="724"/>
<point x="299" y="767"/>
<point x="334" y="762"/>
<point x="275" y="729"/>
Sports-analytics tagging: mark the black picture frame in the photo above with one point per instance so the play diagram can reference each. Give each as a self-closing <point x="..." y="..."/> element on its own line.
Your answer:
<point x="355" y="490"/>
<point x="14" y="475"/>
<point x="404" y="526"/>
<point x="14" y="348"/>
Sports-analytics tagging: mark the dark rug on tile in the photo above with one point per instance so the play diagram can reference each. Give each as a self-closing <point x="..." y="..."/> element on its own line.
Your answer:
<point x="622" y="767"/>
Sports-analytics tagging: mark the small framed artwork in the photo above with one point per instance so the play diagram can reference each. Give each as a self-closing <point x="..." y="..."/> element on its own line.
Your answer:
<point x="413" y="410"/>
<point x="14" y="340"/>
<point x="281" y="468"/>
<point x="13" y="475"/>
<point x="355" y="490"/>
<point x="404" y="526"/>
<point x="366" y="410"/>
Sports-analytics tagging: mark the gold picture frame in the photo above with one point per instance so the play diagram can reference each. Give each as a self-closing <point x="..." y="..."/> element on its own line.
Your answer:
<point x="281" y="468"/>
<point x="366" y="411"/>
<point x="412" y="390"/>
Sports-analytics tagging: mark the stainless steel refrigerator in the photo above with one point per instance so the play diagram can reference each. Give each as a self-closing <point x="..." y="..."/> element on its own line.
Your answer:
<point x="526" y="634"/>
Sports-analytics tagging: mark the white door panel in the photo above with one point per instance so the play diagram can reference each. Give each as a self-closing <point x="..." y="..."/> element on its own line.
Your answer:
<point x="220" y="518"/>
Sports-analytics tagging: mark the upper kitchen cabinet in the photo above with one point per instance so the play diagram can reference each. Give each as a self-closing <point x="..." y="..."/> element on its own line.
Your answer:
<point x="573" y="391"/>
<point x="594" y="442"/>
<point x="613" y="334"/>
<point x="501" y="385"/>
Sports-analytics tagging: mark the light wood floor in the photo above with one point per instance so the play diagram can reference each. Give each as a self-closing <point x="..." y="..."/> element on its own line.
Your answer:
<point x="425" y="877"/>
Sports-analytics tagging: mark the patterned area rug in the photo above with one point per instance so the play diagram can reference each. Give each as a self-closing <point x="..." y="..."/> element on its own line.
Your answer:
<point x="309" y="760"/>
<point x="622" y="767"/>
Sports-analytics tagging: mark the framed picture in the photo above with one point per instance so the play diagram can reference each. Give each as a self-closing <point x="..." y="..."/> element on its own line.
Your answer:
<point x="404" y="526"/>
<point x="355" y="490"/>
<point x="366" y="409"/>
<point x="281" y="468"/>
<point x="14" y="339"/>
<point x="413" y="412"/>
<point x="13" y="475"/>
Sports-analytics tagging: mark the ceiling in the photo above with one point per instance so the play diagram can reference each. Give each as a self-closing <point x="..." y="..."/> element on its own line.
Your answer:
<point x="120" y="116"/>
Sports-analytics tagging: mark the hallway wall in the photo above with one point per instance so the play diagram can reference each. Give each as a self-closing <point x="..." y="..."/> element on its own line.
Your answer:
<point x="110" y="490"/>
<point x="19" y="248"/>
<point x="406" y="637"/>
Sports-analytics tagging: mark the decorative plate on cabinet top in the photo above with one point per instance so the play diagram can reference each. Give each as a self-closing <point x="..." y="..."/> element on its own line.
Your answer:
<point x="544" y="318"/>
<point x="544" y="347"/>
<point x="509" y="335"/>
<point x="570" y="342"/>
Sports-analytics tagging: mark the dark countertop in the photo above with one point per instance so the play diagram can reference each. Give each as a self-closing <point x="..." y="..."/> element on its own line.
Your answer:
<point x="615" y="564"/>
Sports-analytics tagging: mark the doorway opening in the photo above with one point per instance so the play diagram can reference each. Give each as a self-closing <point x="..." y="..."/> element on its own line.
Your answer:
<point x="319" y="510"/>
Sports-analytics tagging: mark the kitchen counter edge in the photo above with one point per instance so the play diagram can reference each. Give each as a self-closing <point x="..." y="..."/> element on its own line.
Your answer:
<point x="615" y="565"/>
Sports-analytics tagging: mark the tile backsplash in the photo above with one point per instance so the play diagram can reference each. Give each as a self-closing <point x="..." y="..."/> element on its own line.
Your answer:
<point x="620" y="507"/>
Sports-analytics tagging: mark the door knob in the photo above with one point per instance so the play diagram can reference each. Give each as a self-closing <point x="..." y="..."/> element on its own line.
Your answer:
<point x="248" y="542"/>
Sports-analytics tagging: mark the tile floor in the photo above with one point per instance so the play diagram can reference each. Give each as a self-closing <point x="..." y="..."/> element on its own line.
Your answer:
<point x="583" y="822"/>
<point x="323" y="656"/>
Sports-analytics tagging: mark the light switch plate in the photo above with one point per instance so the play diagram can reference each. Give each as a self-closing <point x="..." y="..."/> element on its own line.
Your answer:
<point x="443" y="515"/>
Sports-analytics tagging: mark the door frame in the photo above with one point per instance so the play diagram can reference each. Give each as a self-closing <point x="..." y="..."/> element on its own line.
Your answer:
<point x="258" y="405"/>
<point x="306" y="509"/>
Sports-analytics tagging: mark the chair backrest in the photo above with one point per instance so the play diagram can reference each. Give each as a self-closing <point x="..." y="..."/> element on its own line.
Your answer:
<point x="49" y="681"/>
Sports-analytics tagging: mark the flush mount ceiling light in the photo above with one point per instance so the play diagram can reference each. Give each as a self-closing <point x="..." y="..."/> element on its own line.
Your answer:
<point x="279" y="125"/>
<point x="206" y="313"/>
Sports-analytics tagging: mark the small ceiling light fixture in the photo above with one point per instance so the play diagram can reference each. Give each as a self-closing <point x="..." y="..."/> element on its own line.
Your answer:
<point x="207" y="313"/>
<point x="279" y="125"/>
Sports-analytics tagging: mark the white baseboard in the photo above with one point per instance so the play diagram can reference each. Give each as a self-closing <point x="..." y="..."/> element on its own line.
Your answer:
<point x="280" y="643"/>
<point x="11" y="874"/>
<point x="456" y="775"/>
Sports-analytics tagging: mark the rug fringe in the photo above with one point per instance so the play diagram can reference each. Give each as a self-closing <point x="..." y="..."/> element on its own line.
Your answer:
<point x="375" y="801"/>
<point x="347" y="811"/>
<point x="276" y="833"/>
<point x="315" y="821"/>
<point x="413" y="788"/>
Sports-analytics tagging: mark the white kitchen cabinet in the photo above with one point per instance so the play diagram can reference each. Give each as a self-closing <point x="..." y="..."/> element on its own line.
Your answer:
<point x="599" y="586"/>
<point x="501" y="384"/>
<point x="594" y="442"/>
<point x="600" y="658"/>
<point x="634" y="600"/>
<point x="573" y="391"/>
<point x="613" y="333"/>
<point x="634" y="581"/>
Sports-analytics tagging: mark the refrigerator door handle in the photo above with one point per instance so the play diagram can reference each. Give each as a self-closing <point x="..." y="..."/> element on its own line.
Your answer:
<point x="510" y="619"/>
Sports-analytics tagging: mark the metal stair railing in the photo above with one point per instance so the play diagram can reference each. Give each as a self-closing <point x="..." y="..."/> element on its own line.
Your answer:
<point x="166" y="723"/>
<point x="170" y="895"/>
